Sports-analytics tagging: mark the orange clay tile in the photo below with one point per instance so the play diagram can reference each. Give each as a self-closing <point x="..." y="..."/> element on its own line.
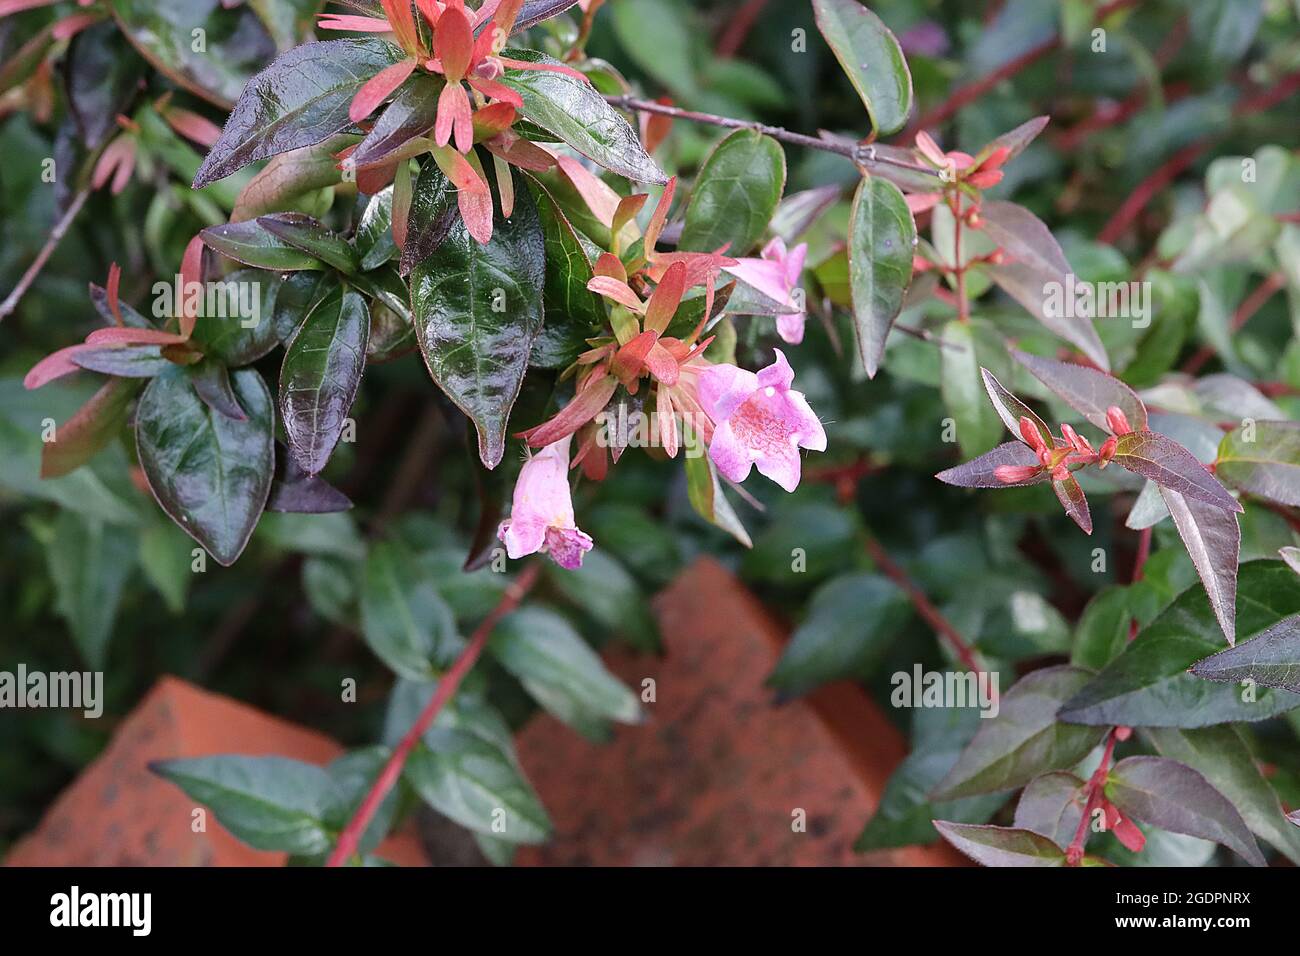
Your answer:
<point x="716" y="775"/>
<point x="117" y="813"/>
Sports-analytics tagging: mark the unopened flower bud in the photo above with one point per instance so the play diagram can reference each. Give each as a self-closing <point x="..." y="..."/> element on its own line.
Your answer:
<point x="1014" y="474"/>
<point x="973" y="218"/>
<point x="1118" y="421"/>
<point x="1077" y="441"/>
<point x="1106" y="452"/>
<point x="1030" y="433"/>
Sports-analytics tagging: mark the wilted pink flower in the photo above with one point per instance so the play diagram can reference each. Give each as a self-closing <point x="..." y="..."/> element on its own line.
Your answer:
<point x="541" y="517"/>
<point x="759" y="421"/>
<point x="776" y="275"/>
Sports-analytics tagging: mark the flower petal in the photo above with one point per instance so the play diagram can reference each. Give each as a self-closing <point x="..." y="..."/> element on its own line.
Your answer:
<point x="378" y="88"/>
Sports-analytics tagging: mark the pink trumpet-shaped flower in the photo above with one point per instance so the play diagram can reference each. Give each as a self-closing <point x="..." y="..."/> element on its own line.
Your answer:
<point x="759" y="420"/>
<point x="541" y="516"/>
<point x="776" y="275"/>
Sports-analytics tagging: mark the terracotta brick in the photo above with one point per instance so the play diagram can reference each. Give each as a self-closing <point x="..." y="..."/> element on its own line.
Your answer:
<point x="117" y="813"/>
<point x="715" y="775"/>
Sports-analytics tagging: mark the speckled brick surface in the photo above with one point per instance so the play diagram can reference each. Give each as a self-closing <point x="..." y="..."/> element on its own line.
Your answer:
<point x="117" y="813"/>
<point x="716" y="775"/>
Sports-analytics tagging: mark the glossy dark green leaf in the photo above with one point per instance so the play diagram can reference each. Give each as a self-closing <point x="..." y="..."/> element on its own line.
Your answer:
<point x="851" y="620"/>
<point x="881" y="236"/>
<point x="322" y="370"/>
<point x="1087" y="390"/>
<point x="1160" y="459"/>
<point x="1174" y="797"/>
<point x="299" y="293"/>
<point x="239" y="327"/>
<point x="561" y="672"/>
<point x="124" y="361"/>
<point x="299" y="100"/>
<point x="1148" y="684"/>
<point x="433" y="216"/>
<point x="314" y="238"/>
<point x="101" y="74"/>
<point x="979" y="472"/>
<point x="1025" y="739"/>
<point x="904" y="815"/>
<point x="89" y="563"/>
<point x="1272" y="659"/>
<point x="215" y="63"/>
<point x="89" y="430"/>
<point x="535" y="11"/>
<point x="211" y="381"/>
<point x="573" y="312"/>
<point x="403" y="619"/>
<point x="1262" y="459"/>
<point x="1220" y="755"/>
<point x="577" y="113"/>
<point x="411" y="113"/>
<point x="736" y="194"/>
<point x="211" y="474"/>
<point x="296" y="492"/>
<point x="872" y="59"/>
<point x="478" y="784"/>
<point x="386" y="288"/>
<point x="374" y="238"/>
<point x="1212" y="537"/>
<point x="1035" y="260"/>
<point x="251" y="244"/>
<point x="1001" y="846"/>
<point x="270" y="803"/>
<point x="478" y="309"/>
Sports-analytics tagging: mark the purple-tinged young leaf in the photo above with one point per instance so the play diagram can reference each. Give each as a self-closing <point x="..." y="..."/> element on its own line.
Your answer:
<point x="535" y="11"/>
<point x="979" y="472"/>
<point x="1174" y="797"/>
<point x="1075" y="503"/>
<point x="1213" y="541"/>
<point x="1148" y="684"/>
<point x="1271" y="659"/>
<point x="1035" y="260"/>
<point x="1294" y="817"/>
<point x="1051" y="806"/>
<point x="1001" y="846"/>
<point x="1011" y="409"/>
<point x="1262" y="459"/>
<point x="212" y="382"/>
<point x="297" y="492"/>
<point x="1170" y="465"/>
<point x="1014" y="140"/>
<point x="1025" y="739"/>
<point x="123" y="361"/>
<point x="800" y="210"/>
<point x="322" y="369"/>
<point x="1086" y="390"/>
<point x="299" y="100"/>
<point x="1291" y="556"/>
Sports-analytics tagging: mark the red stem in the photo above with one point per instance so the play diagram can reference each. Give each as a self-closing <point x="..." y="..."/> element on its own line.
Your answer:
<point x="448" y="684"/>
<point x="1147" y="190"/>
<point x="1093" y="790"/>
<point x="928" y="611"/>
<point x="738" y="28"/>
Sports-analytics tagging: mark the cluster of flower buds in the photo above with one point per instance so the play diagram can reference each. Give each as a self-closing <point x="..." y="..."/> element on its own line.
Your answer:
<point x="1072" y="450"/>
<point x="957" y="169"/>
